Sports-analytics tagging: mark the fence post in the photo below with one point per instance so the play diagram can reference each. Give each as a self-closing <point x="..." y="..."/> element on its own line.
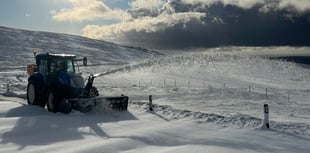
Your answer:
<point x="266" y="93"/>
<point x="224" y="85"/>
<point x="175" y="83"/>
<point x="288" y="95"/>
<point x="150" y="104"/>
<point x="249" y="89"/>
<point x="7" y="87"/>
<point x="164" y="83"/>
<point x="266" y="116"/>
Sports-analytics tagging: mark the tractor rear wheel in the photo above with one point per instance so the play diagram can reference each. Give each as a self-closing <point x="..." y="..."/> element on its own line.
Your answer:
<point x="33" y="97"/>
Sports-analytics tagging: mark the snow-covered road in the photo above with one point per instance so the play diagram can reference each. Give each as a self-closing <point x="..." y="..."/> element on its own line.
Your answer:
<point x="27" y="128"/>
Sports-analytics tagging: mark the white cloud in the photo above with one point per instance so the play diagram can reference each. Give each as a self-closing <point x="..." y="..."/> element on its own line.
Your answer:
<point x="244" y="3"/>
<point x="27" y="15"/>
<point x="53" y="12"/>
<point x="145" y="24"/>
<point x="301" y="5"/>
<point x="145" y="20"/>
<point x="84" y="10"/>
<point x="147" y="4"/>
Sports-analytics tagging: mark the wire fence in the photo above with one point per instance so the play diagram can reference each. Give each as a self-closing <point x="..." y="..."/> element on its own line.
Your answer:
<point x="203" y="85"/>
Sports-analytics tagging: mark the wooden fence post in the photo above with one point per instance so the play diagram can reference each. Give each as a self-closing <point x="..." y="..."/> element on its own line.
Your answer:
<point x="249" y="89"/>
<point x="7" y="87"/>
<point x="150" y="103"/>
<point x="175" y="83"/>
<point x="164" y="83"/>
<point x="288" y="95"/>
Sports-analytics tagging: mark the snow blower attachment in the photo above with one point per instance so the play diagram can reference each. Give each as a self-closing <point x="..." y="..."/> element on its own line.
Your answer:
<point x="56" y="84"/>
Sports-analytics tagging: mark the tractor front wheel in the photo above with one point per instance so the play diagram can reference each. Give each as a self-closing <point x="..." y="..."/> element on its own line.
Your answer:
<point x="51" y="103"/>
<point x="65" y="107"/>
<point x="58" y="104"/>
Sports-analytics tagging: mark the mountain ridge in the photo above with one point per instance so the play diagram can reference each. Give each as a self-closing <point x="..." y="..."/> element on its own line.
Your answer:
<point x="19" y="42"/>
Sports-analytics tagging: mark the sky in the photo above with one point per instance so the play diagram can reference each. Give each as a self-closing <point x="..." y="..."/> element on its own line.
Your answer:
<point x="37" y="15"/>
<point x="167" y="23"/>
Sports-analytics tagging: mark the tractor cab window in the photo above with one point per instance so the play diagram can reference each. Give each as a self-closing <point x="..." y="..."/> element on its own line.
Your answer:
<point x="61" y="65"/>
<point x="70" y="66"/>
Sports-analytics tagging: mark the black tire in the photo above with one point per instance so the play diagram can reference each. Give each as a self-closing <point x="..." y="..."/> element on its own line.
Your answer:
<point x="33" y="97"/>
<point x="56" y="103"/>
<point x="52" y="104"/>
<point x="33" y="94"/>
<point x="65" y="107"/>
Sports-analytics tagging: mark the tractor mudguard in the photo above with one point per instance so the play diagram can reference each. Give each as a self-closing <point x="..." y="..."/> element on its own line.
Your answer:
<point x="38" y="79"/>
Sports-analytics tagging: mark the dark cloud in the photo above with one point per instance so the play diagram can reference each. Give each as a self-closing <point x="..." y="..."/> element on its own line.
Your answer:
<point x="231" y="25"/>
<point x="261" y="23"/>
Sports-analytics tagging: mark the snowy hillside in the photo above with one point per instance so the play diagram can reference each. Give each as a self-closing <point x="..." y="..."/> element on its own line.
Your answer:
<point x="205" y="101"/>
<point x="21" y="43"/>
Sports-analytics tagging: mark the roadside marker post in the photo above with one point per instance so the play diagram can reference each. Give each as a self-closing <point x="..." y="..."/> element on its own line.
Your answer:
<point x="150" y="104"/>
<point x="266" y="116"/>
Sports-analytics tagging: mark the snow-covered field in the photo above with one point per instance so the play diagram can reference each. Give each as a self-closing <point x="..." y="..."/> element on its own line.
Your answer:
<point x="205" y="101"/>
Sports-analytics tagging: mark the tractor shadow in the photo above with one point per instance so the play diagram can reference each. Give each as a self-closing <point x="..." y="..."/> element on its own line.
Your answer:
<point x="37" y="127"/>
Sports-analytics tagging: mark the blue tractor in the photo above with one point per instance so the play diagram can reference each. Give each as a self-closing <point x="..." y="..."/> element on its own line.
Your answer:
<point x="54" y="82"/>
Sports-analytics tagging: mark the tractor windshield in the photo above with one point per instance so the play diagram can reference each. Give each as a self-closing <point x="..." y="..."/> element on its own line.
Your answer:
<point x="58" y="65"/>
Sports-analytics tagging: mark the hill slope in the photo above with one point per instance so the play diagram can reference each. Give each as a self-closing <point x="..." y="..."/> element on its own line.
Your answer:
<point x="17" y="46"/>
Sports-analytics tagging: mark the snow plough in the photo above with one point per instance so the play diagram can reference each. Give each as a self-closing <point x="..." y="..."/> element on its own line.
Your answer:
<point x="53" y="81"/>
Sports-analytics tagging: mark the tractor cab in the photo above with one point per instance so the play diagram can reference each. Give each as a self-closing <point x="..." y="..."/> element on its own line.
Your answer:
<point x="52" y="64"/>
